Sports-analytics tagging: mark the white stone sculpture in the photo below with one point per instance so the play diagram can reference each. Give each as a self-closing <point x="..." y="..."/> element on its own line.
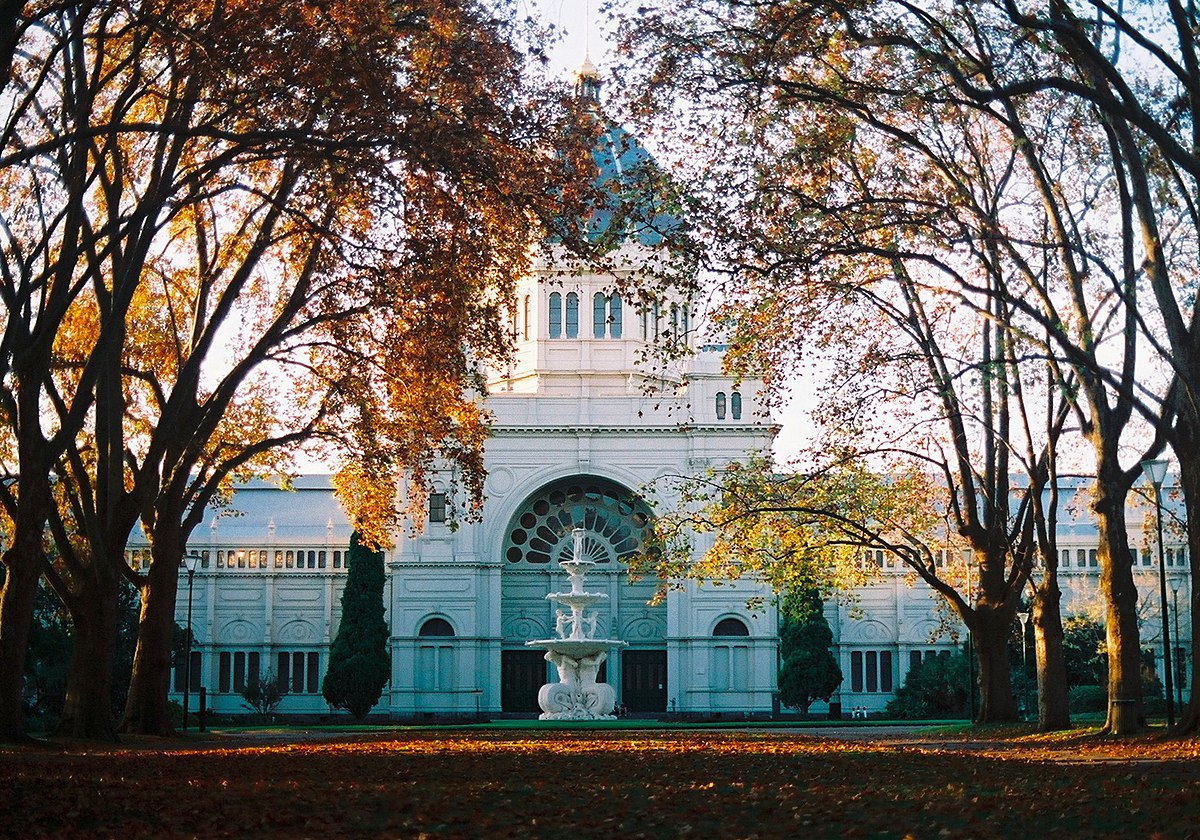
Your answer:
<point x="576" y="653"/>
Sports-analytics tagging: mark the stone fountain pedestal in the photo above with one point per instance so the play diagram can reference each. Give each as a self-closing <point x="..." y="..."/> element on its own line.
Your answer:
<point x="576" y="652"/>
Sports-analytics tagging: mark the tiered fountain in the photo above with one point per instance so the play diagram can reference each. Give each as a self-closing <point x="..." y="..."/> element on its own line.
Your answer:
<point x="576" y="653"/>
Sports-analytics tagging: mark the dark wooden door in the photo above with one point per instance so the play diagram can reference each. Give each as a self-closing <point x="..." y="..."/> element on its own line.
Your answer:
<point x="523" y="672"/>
<point x="644" y="680"/>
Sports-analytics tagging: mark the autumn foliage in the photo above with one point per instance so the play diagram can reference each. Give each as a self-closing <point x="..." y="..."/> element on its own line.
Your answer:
<point x="606" y="784"/>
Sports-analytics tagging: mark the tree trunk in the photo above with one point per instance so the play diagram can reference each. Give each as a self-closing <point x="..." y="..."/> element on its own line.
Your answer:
<point x="1125" y="713"/>
<point x="22" y="570"/>
<point x="88" y="708"/>
<point x="1189" y="478"/>
<point x="23" y="566"/>
<point x="992" y="627"/>
<point x="147" y="710"/>
<point x="1053" y="708"/>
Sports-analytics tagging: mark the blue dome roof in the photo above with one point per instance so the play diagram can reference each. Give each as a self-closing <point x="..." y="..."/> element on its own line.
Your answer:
<point x="630" y="192"/>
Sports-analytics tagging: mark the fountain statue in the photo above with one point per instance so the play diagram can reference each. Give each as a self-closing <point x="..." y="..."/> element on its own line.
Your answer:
<point x="576" y="652"/>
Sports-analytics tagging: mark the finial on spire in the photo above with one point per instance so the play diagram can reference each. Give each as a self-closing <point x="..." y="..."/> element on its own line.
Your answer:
<point x="587" y="81"/>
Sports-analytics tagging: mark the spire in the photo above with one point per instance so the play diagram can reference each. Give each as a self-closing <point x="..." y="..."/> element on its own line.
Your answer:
<point x="587" y="82"/>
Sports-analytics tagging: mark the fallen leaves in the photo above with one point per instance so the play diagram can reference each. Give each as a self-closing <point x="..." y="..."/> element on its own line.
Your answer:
<point x="633" y="784"/>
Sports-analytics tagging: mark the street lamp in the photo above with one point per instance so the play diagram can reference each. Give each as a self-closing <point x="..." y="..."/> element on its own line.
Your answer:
<point x="1179" y="660"/>
<point x="1023" y="617"/>
<point x="1156" y="472"/>
<point x="191" y="560"/>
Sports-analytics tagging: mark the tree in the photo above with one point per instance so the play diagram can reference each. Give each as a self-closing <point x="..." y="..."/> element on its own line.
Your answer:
<point x="359" y="663"/>
<point x="937" y="687"/>
<point x="809" y="672"/>
<point x="880" y="173"/>
<point x="249" y="241"/>
<point x="263" y="693"/>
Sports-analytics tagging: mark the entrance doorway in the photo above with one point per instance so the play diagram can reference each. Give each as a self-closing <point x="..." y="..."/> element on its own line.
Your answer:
<point x="523" y="672"/>
<point x="644" y="680"/>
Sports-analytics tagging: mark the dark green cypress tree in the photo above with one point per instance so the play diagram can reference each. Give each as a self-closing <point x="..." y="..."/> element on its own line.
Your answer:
<point x="359" y="665"/>
<point x="809" y="672"/>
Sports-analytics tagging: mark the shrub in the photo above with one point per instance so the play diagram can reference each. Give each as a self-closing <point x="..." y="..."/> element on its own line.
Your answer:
<point x="936" y="688"/>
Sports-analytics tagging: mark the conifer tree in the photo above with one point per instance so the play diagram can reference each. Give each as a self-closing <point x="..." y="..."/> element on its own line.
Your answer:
<point x="809" y="672"/>
<point x="359" y="664"/>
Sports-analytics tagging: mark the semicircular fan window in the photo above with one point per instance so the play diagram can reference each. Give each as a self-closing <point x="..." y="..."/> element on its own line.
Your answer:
<point x="616" y="520"/>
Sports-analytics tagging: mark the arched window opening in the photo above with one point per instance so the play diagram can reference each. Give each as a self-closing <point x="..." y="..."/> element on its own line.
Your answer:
<point x="645" y="323"/>
<point x="720" y="405"/>
<point x="555" y="315"/>
<point x="654" y="314"/>
<point x="436" y="627"/>
<point x="599" y="315"/>
<point x="674" y="322"/>
<point x="614" y="316"/>
<point x="525" y="322"/>
<point x="572" y="315"/>
<point x="735" y="405"/>
<point x="731" y="627"/>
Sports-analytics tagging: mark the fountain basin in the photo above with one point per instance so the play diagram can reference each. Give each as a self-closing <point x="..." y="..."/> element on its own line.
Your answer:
<point x="576" y="648"/>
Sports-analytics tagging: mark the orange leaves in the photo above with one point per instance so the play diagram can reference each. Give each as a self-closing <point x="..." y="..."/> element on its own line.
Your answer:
<point x="630" y="783"/>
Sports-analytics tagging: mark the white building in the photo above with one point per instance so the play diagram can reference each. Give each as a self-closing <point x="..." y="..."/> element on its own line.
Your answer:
<point x="583" y="426"/>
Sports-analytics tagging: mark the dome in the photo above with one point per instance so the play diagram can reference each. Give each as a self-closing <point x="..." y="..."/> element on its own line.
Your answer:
<point x="629" y="202"/>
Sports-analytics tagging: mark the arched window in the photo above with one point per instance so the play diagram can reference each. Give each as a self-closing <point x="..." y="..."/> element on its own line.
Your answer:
<point x="730" y="662"/>
<point x="731" y="627"/>
<point x="654" y="315"/>
<point x="436" y="663"/>
<point x="645" y="323"/>
<point x="440" y="627"/>
<point x="735" y="405"/>
<point x="720" y="405"/>
<point x="614" y="316"/>
<point x="684" y="316"/>
<point x="675" y="321"/>
<point x="572" y="315"/>
<point x="599" y="315"/>
<point x="525" y="324"/>
<point x="555" y="315"/>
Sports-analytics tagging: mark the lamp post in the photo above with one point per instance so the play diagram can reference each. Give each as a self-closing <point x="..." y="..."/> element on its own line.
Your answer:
<point x="191" y="559"/>
<point x="1156" y="472"/>
<point x="1179" y="641"/>
<point x="1023" y="617"/>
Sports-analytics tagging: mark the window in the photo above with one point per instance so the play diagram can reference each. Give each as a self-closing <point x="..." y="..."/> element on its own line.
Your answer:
<point x="675" y="321"/>
<point x="1081" y="557"/>
<point x="730" y="662"/>
<point x="437" y="507"/>
<point x="193" y="677"/>
<point x="1066" y="558"/>
<point x="204" y="559"/>
<point x="337" y="559"/>
<point x="599" y="315"/>
<point x="735" y="405"/>
<point x="731" y="627"/>
<point x="312" y="559"/>
<point x="555" y="315"/>
<point x="320" y="559"/>
<point x="289" y="559"/>
<point x="572" y="315"/>
<point x="435" y="659"/>
<point x="298" y="672"/>
<point x="871" y="671"/>
<point x="614" y="316"/>
<point x="220" y="559"/>
<point x="1092" y="558"/>
<point x="436" y="627"/>
<point x="654" y="316"/>
<point x="720" y="405"/>
<point x="1145" y="557"/>
<point x="235" y="668"/>
<point x="525" y="322"/>
<point x="278" y="559"/>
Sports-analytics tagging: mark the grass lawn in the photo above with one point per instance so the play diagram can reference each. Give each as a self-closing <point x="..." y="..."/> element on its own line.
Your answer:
<point x="464" y="782"/>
